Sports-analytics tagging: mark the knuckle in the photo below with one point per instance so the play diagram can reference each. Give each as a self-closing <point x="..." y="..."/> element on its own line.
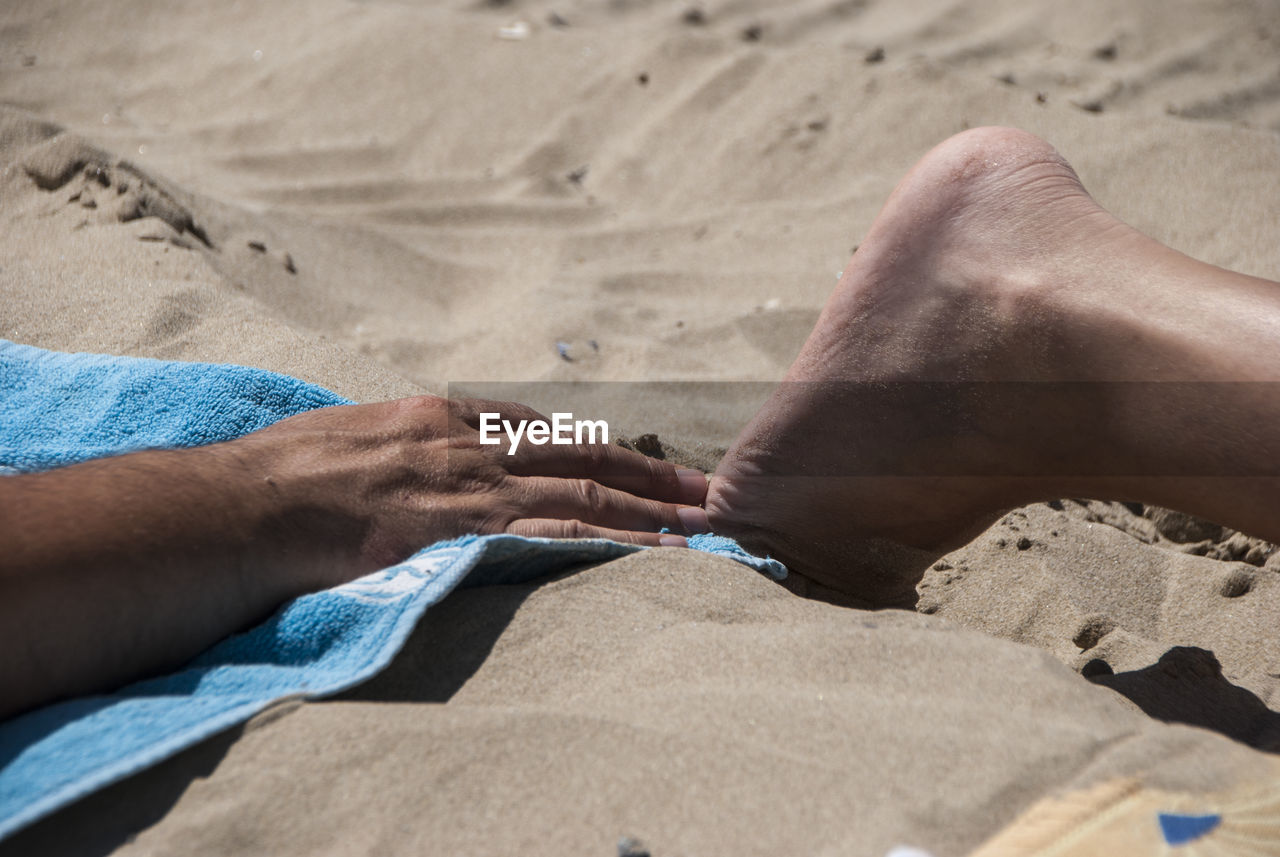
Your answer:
<point x="519" y="411"/>
<point x="576" y="529"/>
<point x="589" y="493"/>
<point x="423" y="404"/>
<point x="508" y="410"/>
<point x="492" y="488"/>
<point x="664" y="515"/>
<point x="499" y="521"/>
<point x="663" y="480"/>
<point x="657" y="473"/>
<point x="419" y="417"/>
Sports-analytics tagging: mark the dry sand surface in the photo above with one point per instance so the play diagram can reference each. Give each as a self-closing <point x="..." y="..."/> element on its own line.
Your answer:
<point x="385" y="198"/>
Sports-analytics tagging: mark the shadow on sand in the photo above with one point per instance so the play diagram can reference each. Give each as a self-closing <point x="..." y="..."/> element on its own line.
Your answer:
<point x="438" y="659"/>
<point x="1187" y="686"/>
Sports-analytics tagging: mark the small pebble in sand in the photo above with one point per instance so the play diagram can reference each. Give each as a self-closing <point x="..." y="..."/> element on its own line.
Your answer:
<point x="643" y="78"/>
<point x="649" y="444"/>
<point x="629" y="846"/>
<point x="258" y="245"/>
<point x="562" y="348"/>
<point x="752" y="33"/>
<point x="555" y="20"/>
<point x="875" y="55"/>
<point x="1259" y="554"/>
<point x="694" y="16"/>
<point x="289" y="265"/>
<point x="515" y="31"/>
<point x="595" y="346"/>
<point x="1041" y="98"/>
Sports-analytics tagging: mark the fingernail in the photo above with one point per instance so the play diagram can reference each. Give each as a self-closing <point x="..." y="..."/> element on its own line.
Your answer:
<point x="693" y="519"/>
<point x="692" y="482"/>
<point x="672" y="541"/>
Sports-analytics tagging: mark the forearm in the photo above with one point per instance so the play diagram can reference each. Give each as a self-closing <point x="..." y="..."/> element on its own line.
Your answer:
<point x="114" y="569"/>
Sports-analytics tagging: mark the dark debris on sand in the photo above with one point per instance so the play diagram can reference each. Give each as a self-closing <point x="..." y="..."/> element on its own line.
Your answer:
<point x="631" y="847"/>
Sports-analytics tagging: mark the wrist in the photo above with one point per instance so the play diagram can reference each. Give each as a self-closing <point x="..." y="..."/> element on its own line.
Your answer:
<point x="294" y="537"/>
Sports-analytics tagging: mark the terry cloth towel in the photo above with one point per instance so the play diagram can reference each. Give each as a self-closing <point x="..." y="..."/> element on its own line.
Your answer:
<point x="61" y="408"/>
<point x="1122" y="816"/>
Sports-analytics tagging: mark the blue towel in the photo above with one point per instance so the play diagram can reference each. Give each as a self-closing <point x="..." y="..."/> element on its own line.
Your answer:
<point x="61" y="408"/>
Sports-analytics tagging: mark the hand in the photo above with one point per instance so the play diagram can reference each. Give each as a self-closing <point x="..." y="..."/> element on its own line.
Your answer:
<point x="371" y="484"/>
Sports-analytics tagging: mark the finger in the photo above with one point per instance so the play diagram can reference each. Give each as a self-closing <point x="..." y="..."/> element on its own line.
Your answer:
<point x="556" y="528"/>
<point x="590" y="502"/>
<point x="606" y="463"/>
<point x="611" y="465"/>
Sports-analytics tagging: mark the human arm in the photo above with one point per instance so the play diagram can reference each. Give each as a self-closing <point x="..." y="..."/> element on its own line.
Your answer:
<point x="122" y="567"/>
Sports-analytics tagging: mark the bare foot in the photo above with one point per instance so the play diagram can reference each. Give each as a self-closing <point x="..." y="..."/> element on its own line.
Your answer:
<point x="978" y="269"/>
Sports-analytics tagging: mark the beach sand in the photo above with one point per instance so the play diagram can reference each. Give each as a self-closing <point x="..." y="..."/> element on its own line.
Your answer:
<point x="390" y="198"/>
